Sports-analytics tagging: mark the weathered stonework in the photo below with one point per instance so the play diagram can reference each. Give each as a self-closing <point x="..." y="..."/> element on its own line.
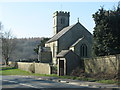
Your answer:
<point x="66" y="36"/>
<point x="70" y="62"/>
<point x="40" y="68"/>
<point x="105" y="64"/>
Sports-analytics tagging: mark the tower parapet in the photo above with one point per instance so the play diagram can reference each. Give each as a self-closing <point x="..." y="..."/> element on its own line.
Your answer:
<point x="61" y="13"/>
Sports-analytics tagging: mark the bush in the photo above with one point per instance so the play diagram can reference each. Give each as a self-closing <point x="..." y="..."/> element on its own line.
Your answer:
<point x="13" y="64"/>
<point x="54" y="69"/>
<point x="78" y="72"/>
<point x="32" y="68"/>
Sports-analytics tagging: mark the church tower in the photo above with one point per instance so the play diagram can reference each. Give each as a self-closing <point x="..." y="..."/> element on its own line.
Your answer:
<point x="61" y="20"/>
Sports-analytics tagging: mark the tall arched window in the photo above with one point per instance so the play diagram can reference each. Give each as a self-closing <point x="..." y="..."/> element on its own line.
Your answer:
<point x="83" y="50"/>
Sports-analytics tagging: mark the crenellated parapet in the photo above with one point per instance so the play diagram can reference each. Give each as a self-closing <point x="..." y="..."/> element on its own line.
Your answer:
<point x="61" y="13"/>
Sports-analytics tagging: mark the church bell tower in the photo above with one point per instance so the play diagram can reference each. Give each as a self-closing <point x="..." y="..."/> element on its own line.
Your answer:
<point x="61" y="20"/>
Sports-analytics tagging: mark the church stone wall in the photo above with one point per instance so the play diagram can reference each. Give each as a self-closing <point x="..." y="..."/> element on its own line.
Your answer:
<point x="72" y="36"/>
<point x="72" y="62"/>
<point x="54" y="49"/>
<point x="106" y="64"/>
<point x="89" y="48"/>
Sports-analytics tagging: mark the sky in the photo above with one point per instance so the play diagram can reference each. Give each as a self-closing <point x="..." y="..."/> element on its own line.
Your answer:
<point x="35" y="19"/>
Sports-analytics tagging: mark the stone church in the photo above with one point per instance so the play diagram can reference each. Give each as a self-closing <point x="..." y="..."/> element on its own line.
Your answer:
<point x="70" y="42"/>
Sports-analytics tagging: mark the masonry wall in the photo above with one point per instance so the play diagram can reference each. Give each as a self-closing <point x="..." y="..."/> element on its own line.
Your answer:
<point x="40" y="68"/>
<point x="24" y="66"/>
<point x="106" y="65"/>
<point x="69" y="38"/>
<point x="54" y="49"/>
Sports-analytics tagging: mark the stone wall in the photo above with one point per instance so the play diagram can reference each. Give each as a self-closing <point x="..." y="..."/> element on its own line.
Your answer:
<point x="105" y="64"/>
<point x="54" y="50"/>
<point x="24" y="66"/>
<point x="40" y="68"/>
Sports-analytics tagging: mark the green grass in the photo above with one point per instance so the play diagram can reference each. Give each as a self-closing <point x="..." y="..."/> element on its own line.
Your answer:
<point x="15" y="71"/>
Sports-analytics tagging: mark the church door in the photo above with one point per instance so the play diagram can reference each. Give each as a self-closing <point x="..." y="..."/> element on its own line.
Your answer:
<point x="61" y="67"/>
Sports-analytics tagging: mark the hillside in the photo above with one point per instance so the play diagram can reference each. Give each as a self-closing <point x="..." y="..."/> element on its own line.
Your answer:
<point x="24" y="49"/>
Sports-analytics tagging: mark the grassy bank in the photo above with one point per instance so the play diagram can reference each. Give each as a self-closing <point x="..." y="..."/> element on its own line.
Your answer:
<point x="15" y="71"/>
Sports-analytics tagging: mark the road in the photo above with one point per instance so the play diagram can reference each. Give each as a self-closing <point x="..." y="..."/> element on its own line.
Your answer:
<point x="32" y="82"/>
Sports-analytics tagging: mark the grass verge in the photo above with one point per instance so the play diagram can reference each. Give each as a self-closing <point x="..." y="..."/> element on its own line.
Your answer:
<point x="15" y="71"/>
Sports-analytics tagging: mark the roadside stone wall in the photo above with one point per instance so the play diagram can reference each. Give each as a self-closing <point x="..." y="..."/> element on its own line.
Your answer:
<point x="105" y="64"/>
<point x="24" y="66"/>
<point x="40" y="68"/>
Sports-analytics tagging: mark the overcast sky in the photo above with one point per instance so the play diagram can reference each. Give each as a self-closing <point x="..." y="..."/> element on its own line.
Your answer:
<point x="35" y="19"/>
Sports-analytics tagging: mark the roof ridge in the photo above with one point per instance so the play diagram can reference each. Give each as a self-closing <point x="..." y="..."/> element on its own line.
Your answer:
<point x="61" y="33"/>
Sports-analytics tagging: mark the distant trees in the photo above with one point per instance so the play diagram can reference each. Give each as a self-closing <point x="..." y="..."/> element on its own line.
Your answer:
<point x="106" y="33"/>
<point x="24" y="50"/>
<point x="42" y="44"/>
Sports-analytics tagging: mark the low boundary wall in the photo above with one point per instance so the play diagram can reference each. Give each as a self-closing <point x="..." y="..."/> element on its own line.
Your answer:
<point x="106" y="64"/>
<point x="40" y="68"/>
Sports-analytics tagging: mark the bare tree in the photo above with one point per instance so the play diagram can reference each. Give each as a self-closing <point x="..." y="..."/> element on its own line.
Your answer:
<point x="0" y="43"/>
<point x="8" y="46"/>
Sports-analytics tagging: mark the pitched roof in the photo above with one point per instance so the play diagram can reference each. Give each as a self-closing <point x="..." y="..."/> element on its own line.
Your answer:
<point x="63" y="53"/>
<point x="61" y="33"/>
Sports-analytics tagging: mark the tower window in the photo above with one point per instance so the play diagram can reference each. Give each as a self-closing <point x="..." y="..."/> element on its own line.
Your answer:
<point x="83" y="50"/>
<point x="62" y="20"/>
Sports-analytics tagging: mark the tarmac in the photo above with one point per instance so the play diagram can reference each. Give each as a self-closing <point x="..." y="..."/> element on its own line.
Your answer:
<point x="78" y="82"/>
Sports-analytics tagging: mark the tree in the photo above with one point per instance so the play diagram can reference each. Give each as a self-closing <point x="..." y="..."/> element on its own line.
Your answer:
<point x="8" y="45"/>
<point x="42" y="44"/>
<point x="0" y="43"/>
<point x="106" y="33"/>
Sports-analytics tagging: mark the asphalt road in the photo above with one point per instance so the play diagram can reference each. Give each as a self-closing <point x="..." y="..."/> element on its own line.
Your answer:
<point x="31" y="82"/>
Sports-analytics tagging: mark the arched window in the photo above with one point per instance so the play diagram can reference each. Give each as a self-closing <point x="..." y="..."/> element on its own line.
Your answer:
<point x="53" y="50"/>
<point x="83" y="50"/>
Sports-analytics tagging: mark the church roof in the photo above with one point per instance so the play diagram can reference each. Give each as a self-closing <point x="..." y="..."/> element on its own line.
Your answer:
<point x="61" y="33"/>
<point x="63" y="53"/>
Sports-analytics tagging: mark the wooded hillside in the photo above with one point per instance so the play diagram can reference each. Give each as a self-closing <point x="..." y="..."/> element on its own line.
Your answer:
<point x="24" y="49"/>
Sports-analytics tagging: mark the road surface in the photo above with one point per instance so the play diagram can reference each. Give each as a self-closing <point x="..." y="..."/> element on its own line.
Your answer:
<point x="32" y="82"/>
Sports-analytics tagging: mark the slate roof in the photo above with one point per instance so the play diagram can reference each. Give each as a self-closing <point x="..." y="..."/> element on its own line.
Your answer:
<point x="61" y="33"/>
<point x="63" y="53"/>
